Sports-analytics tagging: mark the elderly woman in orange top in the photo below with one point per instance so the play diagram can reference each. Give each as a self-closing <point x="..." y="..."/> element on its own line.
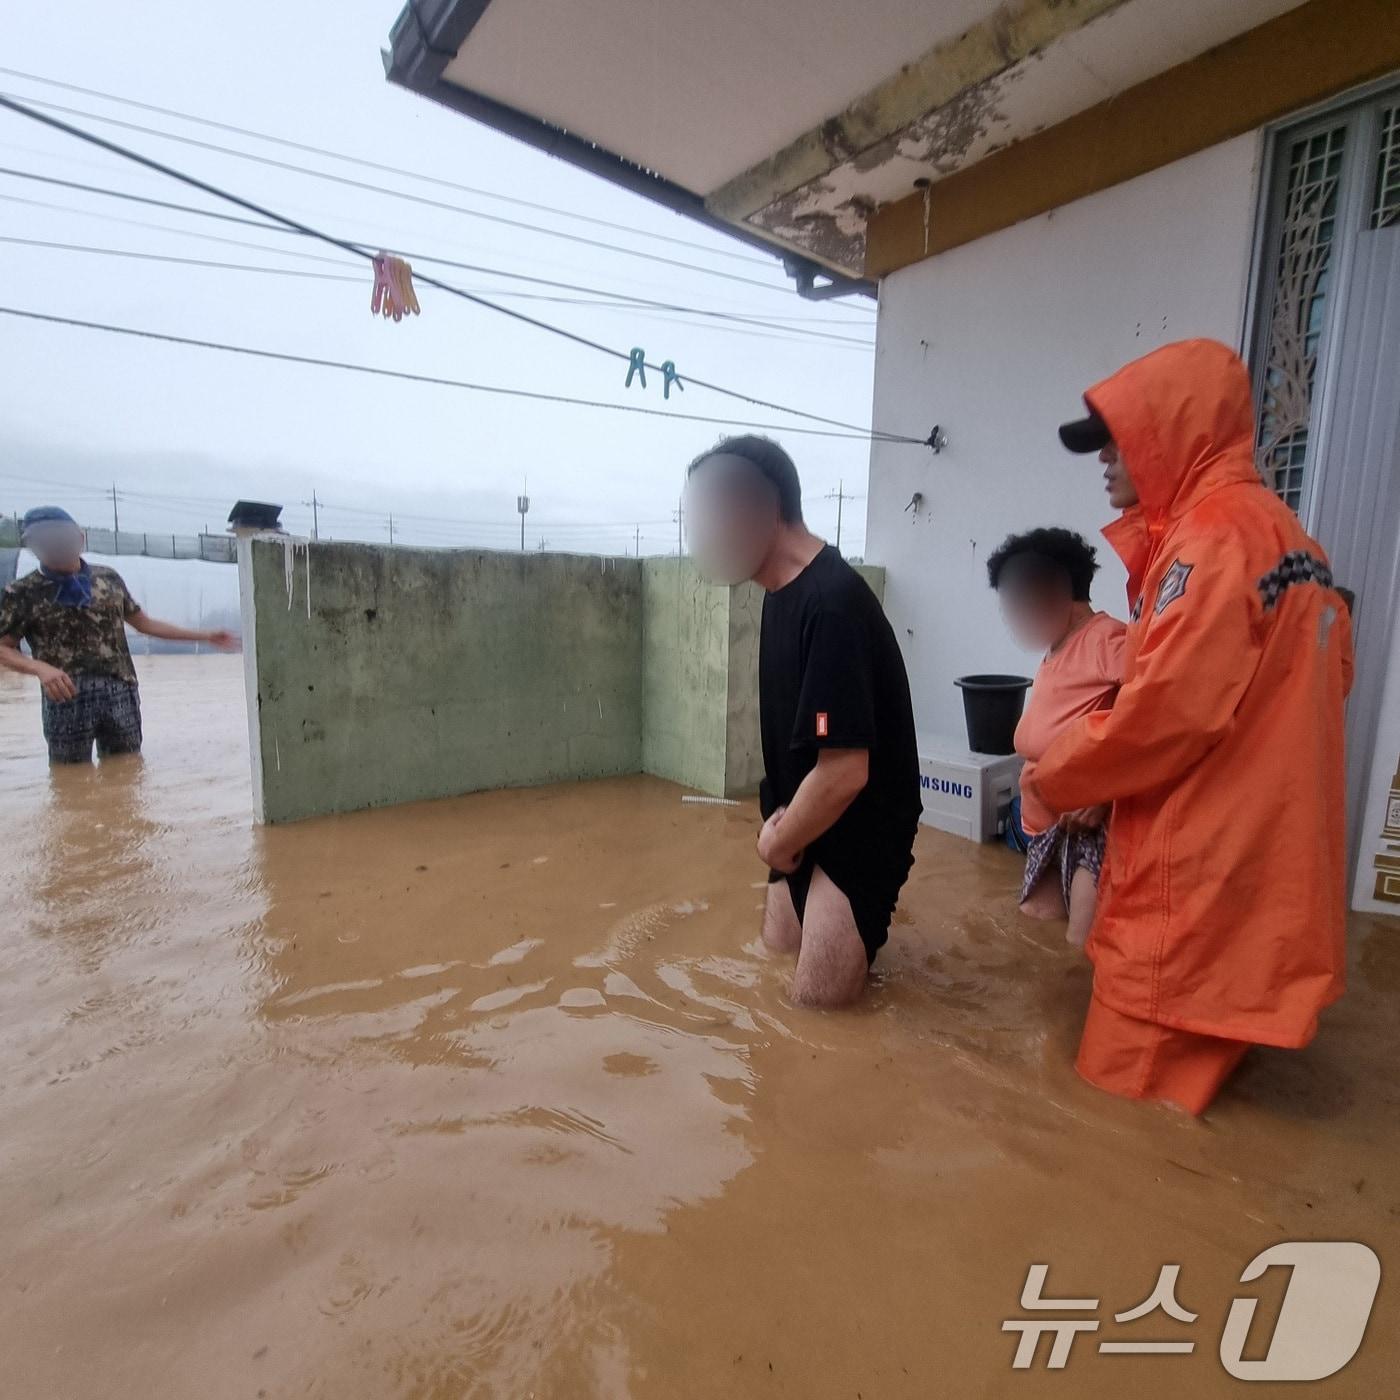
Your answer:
<point x="1042" y="579"/>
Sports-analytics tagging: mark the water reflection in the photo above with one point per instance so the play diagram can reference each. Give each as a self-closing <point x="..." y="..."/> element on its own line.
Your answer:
<point x="545" y="1055"/>
<point x="91" y="857"/>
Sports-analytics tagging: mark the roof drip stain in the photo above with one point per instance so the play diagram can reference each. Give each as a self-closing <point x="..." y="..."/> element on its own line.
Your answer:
<point x="833" y="233"/>
<point x="943" y="138"/>
<point x="827" y="217"/>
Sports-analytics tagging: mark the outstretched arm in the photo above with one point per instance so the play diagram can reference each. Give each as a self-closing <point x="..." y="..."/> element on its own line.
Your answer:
<point x="143" y="622"/>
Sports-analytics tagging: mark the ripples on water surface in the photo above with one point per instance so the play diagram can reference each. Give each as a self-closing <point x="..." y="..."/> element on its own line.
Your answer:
<point x="499" y="1097"/>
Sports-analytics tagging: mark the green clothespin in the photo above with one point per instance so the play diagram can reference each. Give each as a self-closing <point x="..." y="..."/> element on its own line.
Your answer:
<point x="668" y="368"/>
<point x="636" y="364"/>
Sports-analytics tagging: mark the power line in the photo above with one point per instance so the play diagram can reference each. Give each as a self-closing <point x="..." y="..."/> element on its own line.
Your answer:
<point x="196" y="183"/>
<point x="432" y="519"/>
<point x="445" y="520"/>
<point x="107" y="192"/>
<point x="430" y="379"/>
<point x="367" y="164"/>
<point x="435" y="528"/>
<point x="15" y="104"/>
<point x="783" y="333"/>
<point x="787" y="325"/>
<point x="423" y="521"/>
<point x="175" y="258"/>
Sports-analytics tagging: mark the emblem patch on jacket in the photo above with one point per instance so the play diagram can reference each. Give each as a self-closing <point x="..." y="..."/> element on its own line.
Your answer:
<point x="823" y="724"/>
<point x="1172" y="586"/>
<point x="1137" y="609"/>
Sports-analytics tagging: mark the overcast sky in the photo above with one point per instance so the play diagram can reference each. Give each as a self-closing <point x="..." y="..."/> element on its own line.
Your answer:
<point x="185" y="431"/>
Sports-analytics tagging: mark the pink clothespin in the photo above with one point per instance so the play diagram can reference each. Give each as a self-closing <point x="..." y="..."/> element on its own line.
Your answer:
<point x="381" y="285"/>
<point x="393" y="293"/>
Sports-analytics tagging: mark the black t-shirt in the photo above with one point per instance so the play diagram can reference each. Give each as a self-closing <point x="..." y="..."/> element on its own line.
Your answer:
<point x="830" y="675"/>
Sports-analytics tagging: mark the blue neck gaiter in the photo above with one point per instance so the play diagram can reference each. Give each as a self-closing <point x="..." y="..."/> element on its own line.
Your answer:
<point x="71" y="590"/>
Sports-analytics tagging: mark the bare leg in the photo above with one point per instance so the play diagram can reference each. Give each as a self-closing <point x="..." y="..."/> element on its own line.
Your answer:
<point x="831" y="964"/>
<point x="1046" y="900"/>
<point x="1083" y="900"/>
<point x="781" y="931"/>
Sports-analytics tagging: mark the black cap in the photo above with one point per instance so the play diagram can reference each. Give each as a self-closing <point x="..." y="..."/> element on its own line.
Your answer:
<point x="1088" y="434"/>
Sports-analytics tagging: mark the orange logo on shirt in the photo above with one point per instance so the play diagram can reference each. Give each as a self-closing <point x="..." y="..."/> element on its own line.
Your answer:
<point x="821" y="724"/>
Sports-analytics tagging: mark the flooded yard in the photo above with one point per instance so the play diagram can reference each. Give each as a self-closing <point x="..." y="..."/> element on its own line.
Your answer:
<point x="500" y="1096"/>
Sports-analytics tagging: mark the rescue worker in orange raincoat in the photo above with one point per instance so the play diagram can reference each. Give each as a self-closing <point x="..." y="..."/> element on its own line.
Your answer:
<point x="1221" y="916"/>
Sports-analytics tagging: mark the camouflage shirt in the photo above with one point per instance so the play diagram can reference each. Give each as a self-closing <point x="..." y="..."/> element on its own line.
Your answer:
<point x="87" y="641"/>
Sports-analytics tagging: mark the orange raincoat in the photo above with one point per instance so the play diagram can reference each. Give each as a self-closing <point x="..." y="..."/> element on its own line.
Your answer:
<point x="1222" y="904"/>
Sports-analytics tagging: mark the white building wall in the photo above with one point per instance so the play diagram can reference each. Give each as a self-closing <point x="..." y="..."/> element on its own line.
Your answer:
<point x="1376" y="840"/>
<point x="996" y="342"/>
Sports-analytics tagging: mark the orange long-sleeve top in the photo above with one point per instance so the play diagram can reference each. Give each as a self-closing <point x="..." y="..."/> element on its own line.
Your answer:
<point x="1082" y="676"/>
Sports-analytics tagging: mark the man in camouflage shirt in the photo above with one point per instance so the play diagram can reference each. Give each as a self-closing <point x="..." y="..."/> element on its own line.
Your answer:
<point x="74" y="616"/>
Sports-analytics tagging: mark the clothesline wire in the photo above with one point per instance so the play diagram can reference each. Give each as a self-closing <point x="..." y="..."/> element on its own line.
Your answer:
<point x="405" y="195"/>
<point x="793" y="324"/>
<point x="407" y="375"/>
<point x="215" y="191"/>
<point x="216" y="214"/>
<point x="396" y="170"/>
<point x="753" y="332"/>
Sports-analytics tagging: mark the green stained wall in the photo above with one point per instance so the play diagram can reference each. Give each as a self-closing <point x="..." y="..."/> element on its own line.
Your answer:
<point x="426" y="673"/>
<point x="743" y="757"/>
<point x="685" y="668"/>
<point x="420" y="673"/>
<point x="700" y="656"/>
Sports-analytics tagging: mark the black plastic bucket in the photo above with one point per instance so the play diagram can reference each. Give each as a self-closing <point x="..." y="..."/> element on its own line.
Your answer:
<point x="993" y="706"/>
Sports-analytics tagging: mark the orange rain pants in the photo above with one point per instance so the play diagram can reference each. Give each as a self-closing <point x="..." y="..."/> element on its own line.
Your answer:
<point x="1144" y="1060"/>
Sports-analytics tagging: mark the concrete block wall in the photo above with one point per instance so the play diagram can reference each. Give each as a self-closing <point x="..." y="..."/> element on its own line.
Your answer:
<point x="685" y="675"/>
<point x="743" y="755"/>
<point x="378" y="675"/>
<point x="420" y="673"/>
<point x="701" y="693"/>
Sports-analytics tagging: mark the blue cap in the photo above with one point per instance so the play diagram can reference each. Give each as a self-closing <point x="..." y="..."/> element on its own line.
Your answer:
<point x="45" y="515"/>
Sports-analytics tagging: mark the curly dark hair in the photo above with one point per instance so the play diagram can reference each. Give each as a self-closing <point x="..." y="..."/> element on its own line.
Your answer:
<point x="1056" y="551"/>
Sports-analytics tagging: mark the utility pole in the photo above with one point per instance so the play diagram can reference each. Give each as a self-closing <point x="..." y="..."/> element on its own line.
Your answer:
<point x="114" y="517"/>
<point x="315" y="518"/>
<point x="522" y="504"/>
<point x="679" y="513"/>
<point x="391" y="529"/>
<point x="639" y="541"/>
<point x="840" y="497"/>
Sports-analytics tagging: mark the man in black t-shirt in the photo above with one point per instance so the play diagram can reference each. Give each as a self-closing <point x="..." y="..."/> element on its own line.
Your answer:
<point x="840" y="798"/>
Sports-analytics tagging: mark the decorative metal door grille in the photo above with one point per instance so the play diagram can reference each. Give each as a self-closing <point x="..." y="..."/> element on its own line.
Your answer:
<point x="1385" y="208"/>
<point x="1307" y="224"/>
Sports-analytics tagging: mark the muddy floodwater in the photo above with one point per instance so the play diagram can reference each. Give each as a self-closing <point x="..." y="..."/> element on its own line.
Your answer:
<point x="500" y="1096"/>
